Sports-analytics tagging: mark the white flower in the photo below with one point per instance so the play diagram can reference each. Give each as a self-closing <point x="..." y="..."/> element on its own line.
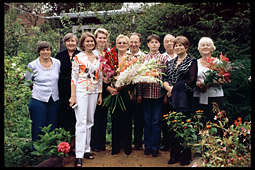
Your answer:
<point x="13" y="65"/>
<point x="138" y="73"/>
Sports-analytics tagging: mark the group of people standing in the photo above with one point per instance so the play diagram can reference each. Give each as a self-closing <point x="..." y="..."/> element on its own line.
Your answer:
<point x="67" y="91"/>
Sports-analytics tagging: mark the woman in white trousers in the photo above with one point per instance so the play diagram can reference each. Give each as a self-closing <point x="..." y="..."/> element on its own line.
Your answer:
<point x="86" y="92"/>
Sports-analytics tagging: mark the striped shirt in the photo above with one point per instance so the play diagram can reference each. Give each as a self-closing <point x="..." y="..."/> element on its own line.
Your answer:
<point x="153" y="90"/>
<point x="45" y="81"/>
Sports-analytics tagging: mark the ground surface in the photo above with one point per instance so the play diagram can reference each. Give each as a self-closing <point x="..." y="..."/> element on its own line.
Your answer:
<point x="135" y="159"/>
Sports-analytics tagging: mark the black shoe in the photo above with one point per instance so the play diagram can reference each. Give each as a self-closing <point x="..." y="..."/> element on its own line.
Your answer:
<point x="95" y="149"/>
<point x="147" y="151"/>
<point x="138" y="148"/>
<point x="102" y="148"/>
<point x="173" y="160"/>
<point x="128" y="151"/>
<point x="164" y="148"/>
<point x="78" y="162"/>
<point x="155" y="153"/>
<point x="115" y="152"/>
<point x="186" y="162"/>
<point x="88" y="155"/>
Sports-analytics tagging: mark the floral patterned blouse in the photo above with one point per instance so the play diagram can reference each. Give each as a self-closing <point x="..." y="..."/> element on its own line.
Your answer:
<point x="86" y="76"/>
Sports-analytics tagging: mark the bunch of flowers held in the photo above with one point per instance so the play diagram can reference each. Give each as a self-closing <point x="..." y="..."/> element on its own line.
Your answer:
<point x="131" y="70"/>
<point x="219" y="71"/>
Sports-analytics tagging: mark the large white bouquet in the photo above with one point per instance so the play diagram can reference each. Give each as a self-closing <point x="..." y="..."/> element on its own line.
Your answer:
<point x="140" y="71"/>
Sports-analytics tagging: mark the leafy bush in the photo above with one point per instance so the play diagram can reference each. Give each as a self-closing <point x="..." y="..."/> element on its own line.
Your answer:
<point x="217" y="144"/>
<point x="17" y="123"/>
<point x="46" y="146"/>
<point x="231" y="149"/>
<point x="237" y="94"/>
<point x="185" y="128"/>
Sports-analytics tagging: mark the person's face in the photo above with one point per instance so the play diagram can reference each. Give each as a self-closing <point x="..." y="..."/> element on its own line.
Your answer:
<point x="205" y="48"/>
<point x="169" y="43"/>
<point x="122" y="44"/>
<point x="153" y="45"/>
<point x="89" y="44"/>
<point x="134" y="43"/>
<point x="101" y="40"/>
<point x="71" y="44"/>
<point x="45" y="53"/>
<point x="180" y="49"/>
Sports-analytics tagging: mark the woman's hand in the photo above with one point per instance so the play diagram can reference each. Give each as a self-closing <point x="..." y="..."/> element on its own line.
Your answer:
<point x="72" y="101"/>
<point x="112" y="90"/>
<point x="99" y="100"/>
<point x="106" y="81"/>
<point x="168" y="88"/>
<point x="199" y="84"/>
<point x="139" y="99"/>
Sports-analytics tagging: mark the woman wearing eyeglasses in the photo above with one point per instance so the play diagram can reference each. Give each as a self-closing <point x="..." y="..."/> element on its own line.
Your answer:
<point x="121" y="120"/>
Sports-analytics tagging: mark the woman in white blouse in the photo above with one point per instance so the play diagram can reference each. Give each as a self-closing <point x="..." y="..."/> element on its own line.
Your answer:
<point x="205" y="96"/>
<point x="86" y="92"/>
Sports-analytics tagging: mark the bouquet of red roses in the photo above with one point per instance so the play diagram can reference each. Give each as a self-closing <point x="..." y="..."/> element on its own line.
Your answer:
<point x="219" y="71"/>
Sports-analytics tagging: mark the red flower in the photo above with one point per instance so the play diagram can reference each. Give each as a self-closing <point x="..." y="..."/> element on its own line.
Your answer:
<point x="223" y="58"/>
<point x="227" y="77"/>
<point x="112" y="58"/>
<point x="218" y="70"/>
<point x="64" y="147"/>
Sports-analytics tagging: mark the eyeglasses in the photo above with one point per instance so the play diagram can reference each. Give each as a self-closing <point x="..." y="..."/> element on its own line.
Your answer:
<point x="121" y="43"/>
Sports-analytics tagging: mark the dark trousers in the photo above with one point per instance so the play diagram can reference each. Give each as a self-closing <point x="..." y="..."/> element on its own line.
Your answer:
<point x="98" y="133"/>
<point x="42" y="114"/>
<point x="152" y="122"/>
<point x="121" y="128"/>
<point x="137" y="116"/>
<point x="66" y="116"/>
<point x="176" y="149"/>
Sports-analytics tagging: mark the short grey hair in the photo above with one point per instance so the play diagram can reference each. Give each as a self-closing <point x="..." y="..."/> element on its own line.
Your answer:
<point x="68" y="36"/>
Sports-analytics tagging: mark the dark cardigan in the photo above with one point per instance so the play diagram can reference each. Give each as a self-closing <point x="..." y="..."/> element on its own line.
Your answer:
<point x="183" y="79"/>
<point x="64" y="82"/>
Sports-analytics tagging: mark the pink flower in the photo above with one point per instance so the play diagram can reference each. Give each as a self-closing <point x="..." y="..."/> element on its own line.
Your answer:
<point x="64" y="147"/>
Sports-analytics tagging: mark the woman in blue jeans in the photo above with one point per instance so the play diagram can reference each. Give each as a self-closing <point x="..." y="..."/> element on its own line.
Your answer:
<point x="44" y="73"/>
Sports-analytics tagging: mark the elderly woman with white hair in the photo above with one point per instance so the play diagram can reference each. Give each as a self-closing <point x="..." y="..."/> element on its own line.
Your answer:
<point x="205" y="95"/>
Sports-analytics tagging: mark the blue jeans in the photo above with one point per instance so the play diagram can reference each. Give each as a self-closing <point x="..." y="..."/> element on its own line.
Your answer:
<point x="42" y="114"/>
<point x="152" y="109"/>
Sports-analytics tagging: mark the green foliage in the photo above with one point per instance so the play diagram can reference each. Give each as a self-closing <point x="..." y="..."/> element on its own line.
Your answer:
<point x="17" y="123"/>
<point x="18" y="39"/>
<point x="46" y="146"/>
<point x="185" y="128"/>
<point x="237" y="93"/>
<point x="231" y="149"/>
<point x="17" y="95"/>
<point x="17" y="152"/>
